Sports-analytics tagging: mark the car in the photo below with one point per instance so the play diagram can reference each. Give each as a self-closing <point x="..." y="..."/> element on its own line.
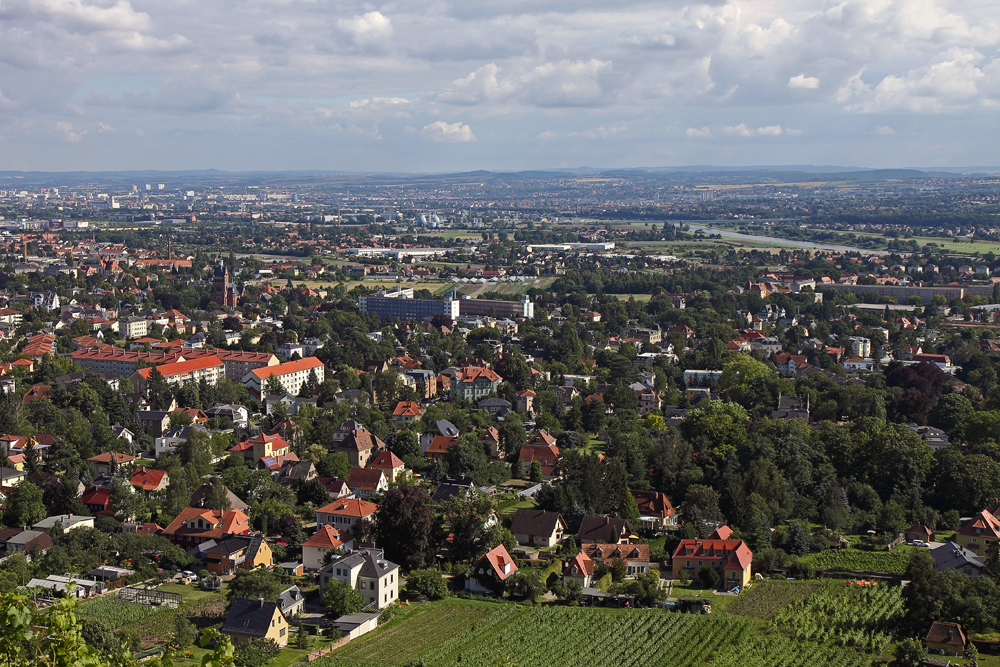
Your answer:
<point x="919" y="543"/>
<point x="189" y="574"/>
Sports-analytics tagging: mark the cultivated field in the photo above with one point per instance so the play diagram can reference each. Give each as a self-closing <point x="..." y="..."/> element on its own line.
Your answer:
<point x="456" y="632"/>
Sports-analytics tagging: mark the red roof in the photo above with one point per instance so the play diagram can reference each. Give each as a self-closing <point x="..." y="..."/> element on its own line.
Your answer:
<point x="386" y="460"/>
<point x="287" y="367"/>
<point x="106" y="457"/>
<point x="327" y="537"/>
<point x="366" y="479"/>
<point x="277" y="442"/>
<point x="407" y="409"/>
<point x="350" y="507"/>
<point x="501" y="562"/>
<point x="473" y="373"/>
<point x="733" y="554"/>
<point x="182" y="367"/>
<point x="207" y="523"/>
<point x="148" y="479"/>
<point x="441" y="444"/>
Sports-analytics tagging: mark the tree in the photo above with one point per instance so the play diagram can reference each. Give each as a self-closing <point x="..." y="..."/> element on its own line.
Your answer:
<point x="428" y="583"/>
<point x="910" y="653"/>
<point x="404" y="527"/>
<point x="536" y="472"/>
<point x="709" y="577"/>
<point x="217" y="498"/>
<point x="524" y="585"/>
<point x="618" y="570"/>
<point x="254" y="584"/>
<point x="340" y="598"/>
<point x="157" y="390"/>
<point x="25" y="506"/>
<point x="701" y="508"/>
<point x="256" y="652"/>
<point x="273" y="386"/>
<point x="185" y="633"/>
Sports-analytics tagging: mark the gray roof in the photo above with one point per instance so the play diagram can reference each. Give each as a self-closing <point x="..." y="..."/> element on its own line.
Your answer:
<point x="372" y="561"/>
<point x="953" y="556"/>
<point x="250" y="618"/>
<point x="289" y="597"/>
<point x="67" y="521"/>
<point x="25" y="536"/>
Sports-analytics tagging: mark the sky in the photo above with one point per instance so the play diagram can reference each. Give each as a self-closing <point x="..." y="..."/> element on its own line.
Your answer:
<point x="454" y="85"/>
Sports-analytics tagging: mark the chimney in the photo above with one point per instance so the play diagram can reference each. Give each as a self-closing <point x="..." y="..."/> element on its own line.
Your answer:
<point x="951" y="635"/>
<point x="260" y="603"/>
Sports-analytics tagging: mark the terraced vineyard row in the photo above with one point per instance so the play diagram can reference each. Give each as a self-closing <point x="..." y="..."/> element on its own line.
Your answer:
<point x="566" y="637"/>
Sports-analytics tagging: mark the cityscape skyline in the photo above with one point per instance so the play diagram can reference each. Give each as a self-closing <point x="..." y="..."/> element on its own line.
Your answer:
<point x="392" y="87"/>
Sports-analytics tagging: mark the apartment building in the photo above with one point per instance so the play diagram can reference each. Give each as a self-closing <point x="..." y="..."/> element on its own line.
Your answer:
<point x="209" y="369"/>
<point x="291" y="375"/>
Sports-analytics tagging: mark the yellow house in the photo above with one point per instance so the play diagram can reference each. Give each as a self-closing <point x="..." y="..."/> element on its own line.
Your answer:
<point x="256" y="619"/>
<point x="977" y="533"/>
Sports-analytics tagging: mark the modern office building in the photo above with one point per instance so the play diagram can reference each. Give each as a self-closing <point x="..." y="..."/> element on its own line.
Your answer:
<point x="400" y="304"/>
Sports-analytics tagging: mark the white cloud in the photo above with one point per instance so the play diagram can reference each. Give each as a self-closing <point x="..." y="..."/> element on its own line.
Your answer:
<point x="582" y="83"/>
<point x="743" y="130"/>
<point x="884" y="130"/>
<point x="369" y="29"/>
<point x="603" y="132"/>
<point x="699" y="132"/>
<point x="483" y="85"/>
<point x="448" y="132"/>
<point x="68" y="133"/>
<point x="801" y="81"/>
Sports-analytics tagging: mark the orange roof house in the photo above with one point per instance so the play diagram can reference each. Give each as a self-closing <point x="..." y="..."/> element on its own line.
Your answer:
<point x="314" y="549"/>
<point x="195" y="525"/>
<point x="390" y="464"/>
<point x="440" y="445"/>
<point x="261" y="446"/>
<point x="579" y="568"/>
<point x="730" y="558"/>
<point x="655" y="508"/>
<point x="367" y="482"/>
<point x="490" y="572"/>
<point x="345" y="514"/>
<point x="406" y="412"/>
<point x="979" y="532"/>
<point x="150" y="479"/>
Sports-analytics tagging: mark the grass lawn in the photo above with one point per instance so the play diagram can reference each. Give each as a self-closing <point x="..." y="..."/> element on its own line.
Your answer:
<point x="858" y="560"/>
<point x="720" y="603"/>
<point x="192" y="592"/>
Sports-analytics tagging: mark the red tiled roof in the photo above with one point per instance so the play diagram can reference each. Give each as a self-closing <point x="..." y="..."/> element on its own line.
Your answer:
<point x="287" y="367"/>
<point x="350" y="507"/>
<point x="386" y="460"/>
<point x="327" y="537"/>
<point x="148" y="479"/>
<point x="501" y="562"/>
<point x="106" y="457"/>
<point x="407" y="409"/>
<point x="182" y="367"/>
<point x="366" y="479"/>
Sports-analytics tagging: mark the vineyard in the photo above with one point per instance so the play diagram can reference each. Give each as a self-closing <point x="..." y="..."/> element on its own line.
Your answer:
<point x="856" y="560"/>
<point x="843" y="614"/>
<point x="450" y="633"/>
<point x="767" y="598"/>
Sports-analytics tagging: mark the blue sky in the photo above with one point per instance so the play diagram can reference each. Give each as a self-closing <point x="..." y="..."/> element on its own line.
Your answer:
<point x="455" y="85"/>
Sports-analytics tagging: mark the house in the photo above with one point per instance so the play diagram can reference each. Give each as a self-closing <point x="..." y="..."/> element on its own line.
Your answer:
<point x="730" y="558"/>
<point x="524" y="402"/>
<point x="260" y="447"/>
<point x="108" y="463"/>
<point x="792" y="407"/>
<point x="10" y="476"/>
<point x="236" y="553"/>
<point x="327" y="538"/>
<point x="345" y="514"/>
<point x="238" y="414"/>
<point x="635" y="556"/>
<point x="491" y="440"/>
<point x="291" y="602"/>
<point x="195" y="525"/>
<point x="391" y="465"/>
<point x="406" y="412"/>
<point x="202" y="493"/>
<point x="604" y="529"/>
<point x="534" y="527"/>
<point x="979" y="532"/>
<point x="359" y="444"/>
<point x="156" y="422"/>
<point x="541" y="448"/>
<point x="497" y="407"/>
<point x="490" y="572"/>
<point x="369" y="573"/>
<point x="29" y="542"/>
<point x="150" y="480"/>
<point x="98" y="501"/>
<point x="66" y="522"/>
<point x="291" y="375"/>
<point x="951" y="556"/>
<point x="580" y="568"/>
<point x="919" y="532"/>
<point x="256" y="619"/>
<point x="440" y="445"/>
<point x="945" y="638"/>
<point x="655" y="509"/>
<point x="367" y="482"/>
<point x="474" y="382"/>
<point x="64" y="585"/>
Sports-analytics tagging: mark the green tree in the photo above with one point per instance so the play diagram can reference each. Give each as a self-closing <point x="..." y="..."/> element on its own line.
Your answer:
<point x="25" y="506"/>
<point x="404" y="527"/>
<point x="340" y="598"/>
<point x="910" y="653"/>
<point x="254" y="584"/>
<point x="256" y="652"/>
<point x="429" y="583"/>
<point x="709" y="577"/>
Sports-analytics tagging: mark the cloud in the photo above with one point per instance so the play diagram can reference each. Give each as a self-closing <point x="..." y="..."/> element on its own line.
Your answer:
<point x="582" y="83"/>
<point x="448" y="132"/>
<point x="803" y="82"/>
<point x="67" y="133"/>
<point x="884" y="130"/>
<point x="603" y="132"/>
<point x="483" y="85"/>
<point x="369" y="29"/>
<point x="699" y="132"/>
<point x="742" y="130"/>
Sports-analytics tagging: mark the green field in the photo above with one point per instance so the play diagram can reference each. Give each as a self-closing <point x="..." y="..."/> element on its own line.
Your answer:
<point x="857" y="560"/>
<point x="458" y="632"/>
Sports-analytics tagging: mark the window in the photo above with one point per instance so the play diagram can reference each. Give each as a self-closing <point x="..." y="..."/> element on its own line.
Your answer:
<point x="281" y="633"/>
<point x="364" y="585"/>
<point x="974" y="540"/>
